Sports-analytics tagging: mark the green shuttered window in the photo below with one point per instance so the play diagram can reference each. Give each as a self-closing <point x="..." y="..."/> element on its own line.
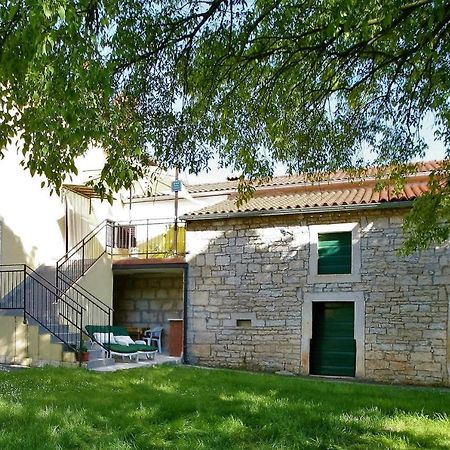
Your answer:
<point x="335" y="253"/>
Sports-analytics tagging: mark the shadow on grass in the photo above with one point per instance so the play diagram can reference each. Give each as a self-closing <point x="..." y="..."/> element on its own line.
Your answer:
<point x="192" y="408"/>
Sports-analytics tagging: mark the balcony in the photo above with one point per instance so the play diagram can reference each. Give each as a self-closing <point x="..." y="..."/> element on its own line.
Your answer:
<point x="146" y="239"/>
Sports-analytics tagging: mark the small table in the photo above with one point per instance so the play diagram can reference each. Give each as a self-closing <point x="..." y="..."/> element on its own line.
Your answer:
<point x="136" y="333"/>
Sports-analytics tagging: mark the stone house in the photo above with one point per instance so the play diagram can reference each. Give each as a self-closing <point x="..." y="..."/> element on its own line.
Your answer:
<point x="306" y="277"/>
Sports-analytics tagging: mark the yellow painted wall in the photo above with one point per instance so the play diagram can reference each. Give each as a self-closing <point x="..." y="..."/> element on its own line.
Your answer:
<point x="23" y="344"/>
<point x="98" y="280"/>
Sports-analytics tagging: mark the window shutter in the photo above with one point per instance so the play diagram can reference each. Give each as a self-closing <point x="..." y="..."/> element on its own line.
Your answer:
<point x="335" y="253"/>
<point x="126" y="236"/>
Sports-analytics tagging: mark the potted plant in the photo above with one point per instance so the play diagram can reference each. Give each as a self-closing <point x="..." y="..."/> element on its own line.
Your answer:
<point x="82" y="353"/>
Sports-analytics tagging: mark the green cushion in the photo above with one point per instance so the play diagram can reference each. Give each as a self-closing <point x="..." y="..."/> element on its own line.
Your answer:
<point x="132" y="348"/>
<point x="117" y="330"/>
<point x="144" y="348"/>
<point x="120" y="348"/>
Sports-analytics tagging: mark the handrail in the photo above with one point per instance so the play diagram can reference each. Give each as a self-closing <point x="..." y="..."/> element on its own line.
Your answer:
<point x="88" y="252"/>
<point x="147" y="221"/>
<point x="75" y="248"/>
<point x="74" y="264"/>
<point x="108" y="236"/>
<point x="80" y="289"/>
<point x="148" y="238"/>
<point x="43" y="302"/>
<point x="38" y="278"/>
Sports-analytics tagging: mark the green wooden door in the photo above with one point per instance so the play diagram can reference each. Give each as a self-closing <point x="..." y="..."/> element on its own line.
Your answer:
<point x="333" y="347"/>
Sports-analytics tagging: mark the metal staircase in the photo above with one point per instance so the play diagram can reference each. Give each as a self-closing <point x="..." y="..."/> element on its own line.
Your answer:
<point x="78" y="260"/>
<point x="64" y="308"/>
<point x="74" y="264"/>
<point x="24" y="292"/>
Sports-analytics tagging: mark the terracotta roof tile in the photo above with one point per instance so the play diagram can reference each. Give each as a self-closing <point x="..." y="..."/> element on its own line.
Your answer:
<point x="286" y="180"/>
<point x="293" y="181"/>
<point x="325" y="197"/>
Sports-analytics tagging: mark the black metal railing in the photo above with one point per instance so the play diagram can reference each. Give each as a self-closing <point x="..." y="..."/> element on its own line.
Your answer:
<point x="77" y="261"/>
<point x="63" y="313"/>
<point x="147" y="239"/>
<point x="72" y="266"/>
<point x="95" y="312"/>
<point x="137" y="238"/>
<point x="22" y="289"/>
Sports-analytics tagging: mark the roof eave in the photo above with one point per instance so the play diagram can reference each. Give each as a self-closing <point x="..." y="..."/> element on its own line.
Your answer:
<point x="166" y="197"/>
<point x="293" y="211"/>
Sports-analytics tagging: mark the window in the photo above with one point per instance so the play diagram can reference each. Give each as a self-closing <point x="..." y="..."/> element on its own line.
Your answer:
<point x="125" y="236"/>
<point x="335" y="253"/>
<point x="243" y="323"/>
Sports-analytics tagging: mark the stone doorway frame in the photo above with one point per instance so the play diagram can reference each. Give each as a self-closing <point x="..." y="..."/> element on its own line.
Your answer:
<point x="359" y="326"/>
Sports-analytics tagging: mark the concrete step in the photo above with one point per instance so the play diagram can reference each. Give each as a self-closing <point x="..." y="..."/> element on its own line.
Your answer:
<point x="70" y="337"/>
<point x="19" y="361"/>
<point x="11" y="312"/>
<point x="69" y="357"/>
<point x="53" y="325"/>
<point x="100" y="362"/>
<point x="95" y="354"/>
<point x="63" y="331"/>
<point x="27" y="345"/>
<point x="171" y="362"/>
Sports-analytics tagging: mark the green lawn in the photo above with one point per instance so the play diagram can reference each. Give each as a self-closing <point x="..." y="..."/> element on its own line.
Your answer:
<point x="186" y="408"/>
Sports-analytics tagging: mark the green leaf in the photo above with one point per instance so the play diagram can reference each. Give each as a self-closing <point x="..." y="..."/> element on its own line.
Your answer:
<point x="47" y="9"/>
<point x="62" y="12"/>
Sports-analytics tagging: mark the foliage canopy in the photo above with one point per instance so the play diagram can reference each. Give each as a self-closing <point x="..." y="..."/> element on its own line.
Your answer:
<point x="308" y="83"/>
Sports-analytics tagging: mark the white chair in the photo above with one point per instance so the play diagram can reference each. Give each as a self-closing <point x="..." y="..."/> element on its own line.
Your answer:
<point x="154" y="336"/>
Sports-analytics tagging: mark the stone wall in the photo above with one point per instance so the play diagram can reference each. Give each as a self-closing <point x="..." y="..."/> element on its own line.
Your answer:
<point x="248" y="279"/>
<point x="148" y="300"/>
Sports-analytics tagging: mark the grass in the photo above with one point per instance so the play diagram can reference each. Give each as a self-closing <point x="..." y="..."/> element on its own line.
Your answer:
<point x="186" y="408"/>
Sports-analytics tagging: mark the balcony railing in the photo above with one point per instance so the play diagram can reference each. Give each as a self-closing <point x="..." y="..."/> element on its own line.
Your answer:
<point x="146" y="239"/>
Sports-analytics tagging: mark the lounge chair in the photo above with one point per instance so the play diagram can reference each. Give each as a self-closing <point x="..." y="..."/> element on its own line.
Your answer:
<point x="115" y="340"/>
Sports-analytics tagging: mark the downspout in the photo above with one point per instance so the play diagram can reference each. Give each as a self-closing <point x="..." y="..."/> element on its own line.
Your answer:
<point x="66" y="223"/>
<point x="185" y="302"/>
<point x="175" y="229"/>
<point x="129" y="206"/>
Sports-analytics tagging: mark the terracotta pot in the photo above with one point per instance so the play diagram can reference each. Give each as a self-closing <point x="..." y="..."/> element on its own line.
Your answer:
<point x="82" y="356"/>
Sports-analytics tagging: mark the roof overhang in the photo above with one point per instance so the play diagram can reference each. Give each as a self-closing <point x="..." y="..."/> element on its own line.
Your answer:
<point x="296" y="211"/>
<point x="81" y="189"/>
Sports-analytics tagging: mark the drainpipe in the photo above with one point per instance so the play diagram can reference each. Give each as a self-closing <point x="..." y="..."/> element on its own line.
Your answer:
<point x="185" y="302"/>
<point x="175" y="228"/>
<point x="66" y="223"/>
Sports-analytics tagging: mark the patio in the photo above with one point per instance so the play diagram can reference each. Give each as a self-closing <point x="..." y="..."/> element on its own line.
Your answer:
<point x="159" y="360"/>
